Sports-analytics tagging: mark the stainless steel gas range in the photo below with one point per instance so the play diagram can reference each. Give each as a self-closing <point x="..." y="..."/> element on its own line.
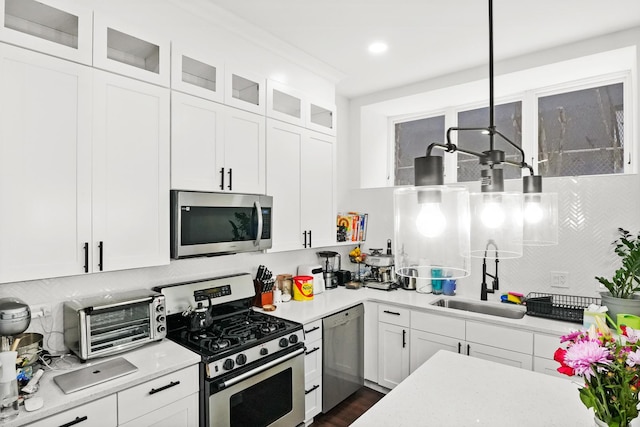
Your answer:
<point x="252" y="369"/>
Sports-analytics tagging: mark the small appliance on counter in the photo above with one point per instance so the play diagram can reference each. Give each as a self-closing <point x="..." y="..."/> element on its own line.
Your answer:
<point x="382" y="272"/>
<point x="315" y="271"/>
<point x="330" y="268"/>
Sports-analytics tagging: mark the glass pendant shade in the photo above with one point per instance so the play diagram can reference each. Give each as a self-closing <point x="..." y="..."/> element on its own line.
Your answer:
<point x="496" y="225"/>
<point x="431" y="233"/>
<point x="540" y="215"/>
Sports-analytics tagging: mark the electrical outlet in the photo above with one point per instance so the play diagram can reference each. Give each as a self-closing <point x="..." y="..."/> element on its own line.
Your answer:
<point x="40" y="310"/>
<point x="560" y="279"/>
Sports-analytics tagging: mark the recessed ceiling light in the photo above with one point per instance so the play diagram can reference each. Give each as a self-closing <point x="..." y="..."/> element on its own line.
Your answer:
<point x="378" y="48"/>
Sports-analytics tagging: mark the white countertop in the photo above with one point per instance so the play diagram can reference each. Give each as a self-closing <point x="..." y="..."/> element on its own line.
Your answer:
<point x="455" y="390"/>
<point x="152" y="360"/>
<point x="334" y="300"/>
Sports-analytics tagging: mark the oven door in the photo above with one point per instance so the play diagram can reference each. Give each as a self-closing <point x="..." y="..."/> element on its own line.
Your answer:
<point x="269" y="395"/>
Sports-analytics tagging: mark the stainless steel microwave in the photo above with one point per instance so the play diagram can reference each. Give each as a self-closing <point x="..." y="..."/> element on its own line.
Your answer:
<point x="205" y="224"/>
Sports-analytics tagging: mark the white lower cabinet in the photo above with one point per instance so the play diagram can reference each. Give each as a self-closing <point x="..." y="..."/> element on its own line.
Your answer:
<point x="408" y="338"/>
<point x="393" y="345"/>
<point x="544" y="346"/>
<point x="312" y="370"/>
<point x="99" y="413"/>
<point x="168" y="401"/>
<point x="139" y="404"/>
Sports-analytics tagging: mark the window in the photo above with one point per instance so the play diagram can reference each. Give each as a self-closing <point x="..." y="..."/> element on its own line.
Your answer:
<point x="508" y="121"/>
<point x="581" y="132"/>
<point x="411" y="140"/>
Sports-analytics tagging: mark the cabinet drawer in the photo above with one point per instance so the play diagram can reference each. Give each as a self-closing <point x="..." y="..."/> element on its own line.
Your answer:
<point x="394" y="315"/>
<point x="441" y="325"/>
<point x="545" y="345"/>
<point x="144" y="398"/>
<point x="313" y="361"/>
<point x="312" y="399"/>
<point x="183" y="413"/>
<point x="500" y="337"/>
<point x="549" y="367"/>
<point x="313" y="331"/>
<point x="99" y="413"/>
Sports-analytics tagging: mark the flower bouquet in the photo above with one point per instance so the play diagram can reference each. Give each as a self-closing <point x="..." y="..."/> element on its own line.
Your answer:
<point x="610" y="367"/>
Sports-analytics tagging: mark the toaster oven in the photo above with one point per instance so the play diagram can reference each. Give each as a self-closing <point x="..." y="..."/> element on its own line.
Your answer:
<point x="112" y="323"/>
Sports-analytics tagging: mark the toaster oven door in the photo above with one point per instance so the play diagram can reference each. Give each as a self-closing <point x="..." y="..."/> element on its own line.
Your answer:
<point x="115" y="329"/>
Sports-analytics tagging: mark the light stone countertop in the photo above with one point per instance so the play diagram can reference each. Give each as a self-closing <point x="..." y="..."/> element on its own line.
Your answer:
<point x="334" y="300"/>
<point x="454" y="390"/>
<point x="152" y="360"/>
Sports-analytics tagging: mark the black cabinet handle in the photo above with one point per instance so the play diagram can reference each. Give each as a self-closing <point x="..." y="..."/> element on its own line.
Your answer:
<point x="395" y="313"/>
<point x="101" y="248"/>
<point x="404" y="338"/>
<point x="78" y="420"/>
<point x="230" y="177"/>
<point x="459" y="347"/>
<point x="310" y="245"/>
<point x="222" y="178"/>
<point x="312" y="350"/>
<point x="468" y="349"/>
<point x="157" y="390"/>
<point x="315" y="328"/>
<point x="86" y="257"/>
<point x="305" y="238"/>
<point x="312" y="388"/>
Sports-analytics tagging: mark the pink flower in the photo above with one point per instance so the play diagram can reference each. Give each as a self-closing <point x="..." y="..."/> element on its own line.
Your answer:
<point x="633" y="358"/>
<point x="583" y="354"/>
<point x="631" y="334"/>
<point x="571" y="337"/>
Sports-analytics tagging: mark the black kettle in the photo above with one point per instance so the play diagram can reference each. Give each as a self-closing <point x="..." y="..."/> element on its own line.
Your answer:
<point x="200" y="318"/>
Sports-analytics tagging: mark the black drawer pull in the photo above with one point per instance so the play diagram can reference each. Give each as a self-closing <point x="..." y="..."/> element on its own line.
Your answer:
<point x="404" y="338"/>
<point x="395" y="313"/>
<point x="157" y="390"/>
<point x="312" y="388"/>
<point x="100" y="262"/>
<point x="78" y="420"/>
<point x="312" y="350"/>
<point x="222" y="178"/>
<point x="315" y="328"/>
<point x="86" y="257"/>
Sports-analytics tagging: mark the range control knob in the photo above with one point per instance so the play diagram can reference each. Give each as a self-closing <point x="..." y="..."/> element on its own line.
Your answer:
<point x="264" y="351"/>
<point x="284" y="342"/>
<point x="293" y="339"/>
<point x="241" y="359"/>
<point x="161" y="328"/>
<point x="160" y="318"/>
<point x="160" y="308"/>
<point x="228" y="364"/>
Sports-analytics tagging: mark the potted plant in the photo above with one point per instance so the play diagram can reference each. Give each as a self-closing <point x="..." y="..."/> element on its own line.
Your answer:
<point x="625" y="282"/>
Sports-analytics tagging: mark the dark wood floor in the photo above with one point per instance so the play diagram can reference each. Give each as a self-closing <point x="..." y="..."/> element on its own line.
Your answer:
<point x="347" y="411"/>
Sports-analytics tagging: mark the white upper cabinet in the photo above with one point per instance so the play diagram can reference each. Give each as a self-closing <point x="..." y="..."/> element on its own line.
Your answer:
<point x="215" y="147"/>
<point x="285" y="103"/>
<point x="61" y="28"/>
<point x="322" y="118"/>
<point x="130" y="173"/>
<point x="300" y="177"/>
<point x="244" y="90"/>
<point x="45" y="166"/>
<point x="130" y="50"/>
<point x="196" y="73"/>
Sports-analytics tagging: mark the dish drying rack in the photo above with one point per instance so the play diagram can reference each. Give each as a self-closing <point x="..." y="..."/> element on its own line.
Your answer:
<point x="569" y="308"/>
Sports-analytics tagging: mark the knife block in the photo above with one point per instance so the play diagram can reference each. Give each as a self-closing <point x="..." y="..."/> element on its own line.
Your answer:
<point x="261" y="298"/>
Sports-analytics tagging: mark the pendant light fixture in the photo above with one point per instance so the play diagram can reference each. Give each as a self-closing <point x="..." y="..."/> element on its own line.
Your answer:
<point x="438" y="227"/>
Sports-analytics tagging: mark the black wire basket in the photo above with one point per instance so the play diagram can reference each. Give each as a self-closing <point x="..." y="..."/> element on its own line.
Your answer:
<point x="569" y="308"/>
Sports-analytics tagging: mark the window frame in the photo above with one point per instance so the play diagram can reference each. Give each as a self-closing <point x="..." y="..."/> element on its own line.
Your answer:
<point x="529" y="99"/>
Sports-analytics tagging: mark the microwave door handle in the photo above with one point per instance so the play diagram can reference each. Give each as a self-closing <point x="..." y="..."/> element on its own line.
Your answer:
<point x="258" y="208"/>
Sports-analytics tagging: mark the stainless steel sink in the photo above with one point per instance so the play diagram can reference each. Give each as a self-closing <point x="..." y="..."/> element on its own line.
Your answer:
<point x="483" y="307"/>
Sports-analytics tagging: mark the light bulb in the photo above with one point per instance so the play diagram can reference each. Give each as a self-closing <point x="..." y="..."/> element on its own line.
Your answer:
<point x="533" y="212"/>
<point x="492" y="215"/>
<point x="430" y="220"/>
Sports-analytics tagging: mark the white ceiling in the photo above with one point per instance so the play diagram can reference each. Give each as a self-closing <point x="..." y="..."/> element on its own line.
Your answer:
<point x="426" y="38"/>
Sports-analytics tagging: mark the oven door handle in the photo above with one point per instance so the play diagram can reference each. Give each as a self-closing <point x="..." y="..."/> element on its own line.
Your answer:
<point x="262" y="368"/>
<point x="258" y="208"/>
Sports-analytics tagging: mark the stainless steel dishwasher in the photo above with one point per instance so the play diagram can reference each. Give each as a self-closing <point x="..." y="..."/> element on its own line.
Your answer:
<point x="343" y="355"/>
